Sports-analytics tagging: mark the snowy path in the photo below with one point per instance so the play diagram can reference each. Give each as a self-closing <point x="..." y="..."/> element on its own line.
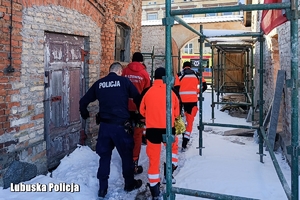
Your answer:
<point x="228" y="165"/>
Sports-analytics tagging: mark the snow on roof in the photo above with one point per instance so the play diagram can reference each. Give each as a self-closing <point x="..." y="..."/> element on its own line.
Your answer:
<point x="221" y="32"/>
<point x="195" y="20"/>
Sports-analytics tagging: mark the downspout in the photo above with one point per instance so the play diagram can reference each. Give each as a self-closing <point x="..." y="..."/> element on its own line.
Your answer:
<point x="9" y="68"/>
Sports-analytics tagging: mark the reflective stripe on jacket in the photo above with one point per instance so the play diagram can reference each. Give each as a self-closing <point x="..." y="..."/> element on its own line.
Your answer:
<point x="189" y="86"/>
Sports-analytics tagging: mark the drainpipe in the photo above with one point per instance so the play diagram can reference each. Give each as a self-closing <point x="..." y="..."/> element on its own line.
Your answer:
<point x="9" y="68"/>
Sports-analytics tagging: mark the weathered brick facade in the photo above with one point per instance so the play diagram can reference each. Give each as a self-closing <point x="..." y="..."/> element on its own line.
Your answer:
<point x="277" y="56"/>
<point x="22" y="91"/>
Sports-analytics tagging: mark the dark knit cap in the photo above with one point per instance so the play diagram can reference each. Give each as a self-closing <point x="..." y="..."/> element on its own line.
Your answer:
<point x="159" y="73"/>
<point x="187" y="64"/>
<point x="137" y="57"/>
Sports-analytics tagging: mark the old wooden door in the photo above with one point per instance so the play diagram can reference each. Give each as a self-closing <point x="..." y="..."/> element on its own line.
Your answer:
<point x="63" y="88"/>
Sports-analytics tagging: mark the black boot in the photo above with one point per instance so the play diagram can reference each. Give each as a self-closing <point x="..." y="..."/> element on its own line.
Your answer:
<point x="184" y="143"/>
<point x="136" y="184"/>
<point x="102" y="193"/>
<point x="165" y="172"/>
<point x="138" y="169"/>
<point x="155" y="191"/>
<point x="144" y="140"/>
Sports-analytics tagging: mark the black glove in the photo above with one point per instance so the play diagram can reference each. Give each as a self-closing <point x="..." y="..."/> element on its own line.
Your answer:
<point x="128" y="127"/>
<point x="85" y="114"/>
<point x="97" y="118"/>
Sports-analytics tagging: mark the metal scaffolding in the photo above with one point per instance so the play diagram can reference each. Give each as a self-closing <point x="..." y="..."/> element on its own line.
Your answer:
<point x="247" y="47"/>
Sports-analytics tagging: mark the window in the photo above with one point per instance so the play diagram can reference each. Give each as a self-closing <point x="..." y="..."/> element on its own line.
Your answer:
<point x="188" y="49"/>
<point x="122" y="43"/>
<point x="206" y="44"/>
<point x="187" y="16"/>
<point x="151" y="16"/>
<point x="227" y="13"/>
<point x="211" y="14"/>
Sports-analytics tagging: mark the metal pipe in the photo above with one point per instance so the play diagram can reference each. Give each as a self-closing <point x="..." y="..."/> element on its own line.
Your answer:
<point x="230" y="125"/>
<point x="240" y="7"/>
<point x="245" y="34"/>
<point x="9" y="68"/>
<point x="152" y="64"/>
<point x="294" y="100"/>
<point x="200" y="68"/>
<point x="252" y="85"/>
<point x="168" y="80"/>
<point x="247" y="70"/>
<point x="233" y="103"/>
<point x="183" y="23"/>
<point x="261" y="95"/>
<point x="222" y="69"/>
<point x="207" y="195"/>
<point x="280" y="175"/>
<point x="212" y="86"/>
<point x="218" y="79"/>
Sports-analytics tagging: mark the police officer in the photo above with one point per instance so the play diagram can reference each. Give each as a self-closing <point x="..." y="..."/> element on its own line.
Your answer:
<point x="113" y="92"/>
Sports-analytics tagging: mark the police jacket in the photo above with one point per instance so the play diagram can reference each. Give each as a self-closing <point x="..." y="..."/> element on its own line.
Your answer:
<point x="112" y="92"/>
<point x="140" y="78"/>
<point x="189" y="83"/>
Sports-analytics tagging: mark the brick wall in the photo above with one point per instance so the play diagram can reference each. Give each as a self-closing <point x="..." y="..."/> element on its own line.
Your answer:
<point x="277" y="52"/>
<point x="153" y="36"/>
<point x="22" y="91"/>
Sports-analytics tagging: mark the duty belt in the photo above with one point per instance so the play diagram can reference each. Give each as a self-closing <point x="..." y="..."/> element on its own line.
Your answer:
<point x="112" y="121"/>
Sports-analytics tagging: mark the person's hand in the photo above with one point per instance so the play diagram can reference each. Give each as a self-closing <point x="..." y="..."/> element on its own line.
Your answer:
<point x="85" y="115"/>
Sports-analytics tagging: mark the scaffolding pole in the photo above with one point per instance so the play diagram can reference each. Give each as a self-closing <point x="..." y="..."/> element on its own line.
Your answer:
<point x="294" y="148"/>
<point x="168" y="22"/>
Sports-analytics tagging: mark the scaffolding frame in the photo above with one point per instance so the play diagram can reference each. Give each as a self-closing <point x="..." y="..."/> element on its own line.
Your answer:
<point x="293" y="83"/>
<point x="151" y="55"/>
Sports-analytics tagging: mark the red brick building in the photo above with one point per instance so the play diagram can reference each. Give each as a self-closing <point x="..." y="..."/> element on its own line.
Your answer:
<point x="51" y="51"/>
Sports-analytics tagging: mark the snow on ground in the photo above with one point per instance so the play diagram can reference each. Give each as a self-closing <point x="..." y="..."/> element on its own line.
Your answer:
<point x="228" y="165"/>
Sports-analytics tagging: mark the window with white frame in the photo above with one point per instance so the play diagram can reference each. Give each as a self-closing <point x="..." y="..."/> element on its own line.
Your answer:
<point x="187" y="16"/>
<point x="151" y="16"/>
<point x="122" y="43"/>
<point x="188" y="49"/>
<point x="227" y="13"/>
<point x="210" y="14"/>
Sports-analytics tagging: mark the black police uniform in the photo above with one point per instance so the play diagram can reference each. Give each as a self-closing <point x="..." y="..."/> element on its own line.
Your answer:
<point x="112" y="92"/>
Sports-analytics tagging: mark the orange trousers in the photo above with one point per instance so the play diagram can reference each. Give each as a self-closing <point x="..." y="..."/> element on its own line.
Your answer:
<point x="153" y="151"/>
<point x="190" y="121"/>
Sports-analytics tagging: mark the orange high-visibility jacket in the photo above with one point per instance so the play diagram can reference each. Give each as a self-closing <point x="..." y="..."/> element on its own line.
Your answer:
<point x="153" y="105"/>
<point x="189" y="83"/>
